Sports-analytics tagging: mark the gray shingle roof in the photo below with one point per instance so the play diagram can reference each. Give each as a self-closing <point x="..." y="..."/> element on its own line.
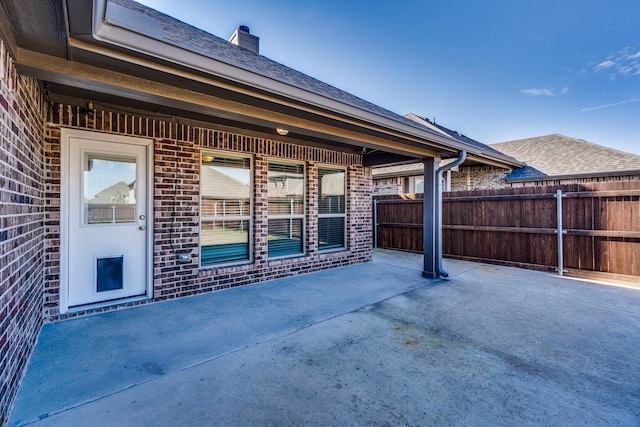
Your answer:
<point x="185" y="36"/>
<point x="558" y="155"/>
<point x="485" y="149"/>
<point x="463" y="138"/>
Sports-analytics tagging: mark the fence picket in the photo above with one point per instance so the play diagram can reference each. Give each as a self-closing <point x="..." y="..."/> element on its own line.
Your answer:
<point x="512" y="226"/>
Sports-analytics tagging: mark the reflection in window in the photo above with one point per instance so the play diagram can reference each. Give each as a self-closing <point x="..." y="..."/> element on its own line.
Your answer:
<point x="225" y="192"/>
<point x="331" y="209"/>
<point x="286" y="209"/>
<point x="109" y="189"/>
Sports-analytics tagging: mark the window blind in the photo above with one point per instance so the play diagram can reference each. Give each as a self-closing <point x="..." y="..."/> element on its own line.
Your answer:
<point x="225" y="209"/>
<point x="286" y="209"/>
<point x="331" y="209"/>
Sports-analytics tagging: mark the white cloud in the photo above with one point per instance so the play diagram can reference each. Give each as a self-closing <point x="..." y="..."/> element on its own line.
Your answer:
<point x="565" y="90"/>
<point x="615" y="104"/>
<point x="604" y="65"/>
<point x="537" y="92"/>
<point x="625" y="70"/>
<point x="619" y="64"/>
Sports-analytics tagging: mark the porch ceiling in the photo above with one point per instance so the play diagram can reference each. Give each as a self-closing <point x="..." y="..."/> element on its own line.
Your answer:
<point x="74" y="67"/>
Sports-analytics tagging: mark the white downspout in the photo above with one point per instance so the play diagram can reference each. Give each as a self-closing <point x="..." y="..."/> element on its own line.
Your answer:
<point x="461" y="158"/>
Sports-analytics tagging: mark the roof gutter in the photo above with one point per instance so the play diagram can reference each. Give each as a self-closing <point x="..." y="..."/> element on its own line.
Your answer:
<point x="118" y="26"/>
<point x="438" y="232"/>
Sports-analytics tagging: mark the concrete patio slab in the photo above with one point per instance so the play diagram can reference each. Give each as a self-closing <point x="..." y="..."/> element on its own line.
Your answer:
<point x="368" y="344"/>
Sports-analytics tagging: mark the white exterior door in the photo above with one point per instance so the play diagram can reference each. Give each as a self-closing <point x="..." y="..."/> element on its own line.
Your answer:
<point x="105" y="206"/>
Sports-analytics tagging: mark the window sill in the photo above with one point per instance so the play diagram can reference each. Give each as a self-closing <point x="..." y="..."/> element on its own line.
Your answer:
<point x="213" y="268"/>
<point x="331" y="251"/>
<point x="287" y="258"/>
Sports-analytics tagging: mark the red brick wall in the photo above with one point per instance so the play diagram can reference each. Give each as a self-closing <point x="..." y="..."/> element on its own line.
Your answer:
<point x="22" y="112"/>
<point x="177" y="176"/>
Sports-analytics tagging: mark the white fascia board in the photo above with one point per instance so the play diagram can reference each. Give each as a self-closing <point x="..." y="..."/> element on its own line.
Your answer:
<point x="493" y="160"/>
<point x="119" y="26"/>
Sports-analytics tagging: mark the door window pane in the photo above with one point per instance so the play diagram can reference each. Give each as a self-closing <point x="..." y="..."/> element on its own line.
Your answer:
<point x="225" y="192"/>
<point x="109" y="189"/>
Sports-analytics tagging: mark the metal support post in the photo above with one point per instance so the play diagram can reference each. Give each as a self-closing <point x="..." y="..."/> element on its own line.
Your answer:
<point x="560" y="232"/>
<point x="429" y="251"/>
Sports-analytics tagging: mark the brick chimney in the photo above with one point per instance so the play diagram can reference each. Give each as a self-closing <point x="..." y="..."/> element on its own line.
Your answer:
<point x="243" y="38"/>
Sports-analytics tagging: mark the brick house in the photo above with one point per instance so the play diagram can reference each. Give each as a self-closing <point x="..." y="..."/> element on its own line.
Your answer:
<point x="558" y="159"/>
<point x="143" y="159"/>
<point x="484" y="170"/>
<point x="544" y="160"/>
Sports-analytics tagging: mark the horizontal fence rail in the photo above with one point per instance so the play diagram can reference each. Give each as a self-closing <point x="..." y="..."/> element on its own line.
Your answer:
<point x="598" y="225"/>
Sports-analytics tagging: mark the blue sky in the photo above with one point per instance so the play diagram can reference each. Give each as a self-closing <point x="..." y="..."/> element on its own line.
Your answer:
<point x="494" y="70"/>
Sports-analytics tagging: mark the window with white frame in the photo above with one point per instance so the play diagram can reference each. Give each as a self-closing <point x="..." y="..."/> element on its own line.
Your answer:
<point x="414" y="184"/>
<point x="286" y="209"/>
<point x="225" y="203"/>
<point x="332" y="217"/>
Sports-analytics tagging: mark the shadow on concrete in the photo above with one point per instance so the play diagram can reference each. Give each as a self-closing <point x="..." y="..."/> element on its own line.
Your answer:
<point x="371" y="343"/>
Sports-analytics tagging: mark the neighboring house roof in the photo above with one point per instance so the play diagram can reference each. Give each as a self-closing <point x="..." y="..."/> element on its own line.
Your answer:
<point x="559" y="156"/>
<point x="120" y="192"/>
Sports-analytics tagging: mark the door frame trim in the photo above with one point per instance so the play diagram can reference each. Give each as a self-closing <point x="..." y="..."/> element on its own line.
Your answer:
<point x="65" y="136"/>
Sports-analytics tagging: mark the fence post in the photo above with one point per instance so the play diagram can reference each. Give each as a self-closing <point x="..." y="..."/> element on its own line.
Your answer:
<point x="375" y="223"/>
<point x="560" y="232"/>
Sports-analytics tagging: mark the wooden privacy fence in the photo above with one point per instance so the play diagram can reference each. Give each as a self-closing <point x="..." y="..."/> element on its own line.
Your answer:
<point x="599" y="223"/>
